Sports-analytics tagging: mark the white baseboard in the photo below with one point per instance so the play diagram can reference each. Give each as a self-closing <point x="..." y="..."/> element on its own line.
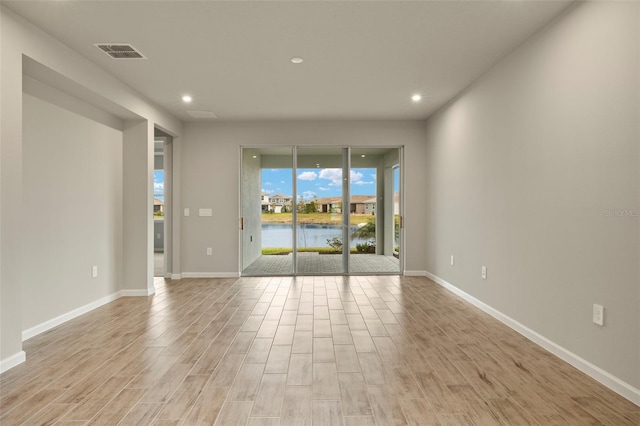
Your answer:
<point x="54" y="322"/>
<point x="137" y="293"/>
<point x="210" y="275"/>
<point x="609" y="380"/>
<point x="12" y="361"/>
<point x="47" y="325"/>
<point x="415" y="273"/>
<point x="176" y="276"/>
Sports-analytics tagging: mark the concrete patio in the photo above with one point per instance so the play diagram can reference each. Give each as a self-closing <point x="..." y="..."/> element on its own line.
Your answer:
<point x="315" y="263"/>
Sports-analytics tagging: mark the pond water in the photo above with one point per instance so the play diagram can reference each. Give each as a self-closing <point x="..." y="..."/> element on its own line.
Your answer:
<point x="309" y="235"/>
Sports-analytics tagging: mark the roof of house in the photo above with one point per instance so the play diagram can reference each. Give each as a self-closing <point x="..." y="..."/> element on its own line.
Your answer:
<point x="357" y="199"/>
<point x="329" y="200"/>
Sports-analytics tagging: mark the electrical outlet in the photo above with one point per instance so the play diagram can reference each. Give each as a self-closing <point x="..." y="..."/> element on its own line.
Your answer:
<point x="94" y="271"/>
<point x="451" y="260"/>
<point x="209" y="251"/>
<point x="598" y="314"/>
<point x="484" y="272"/>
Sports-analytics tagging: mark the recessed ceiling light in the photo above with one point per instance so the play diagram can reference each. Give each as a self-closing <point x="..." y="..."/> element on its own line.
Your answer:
<point x="297" y="60"/>
<point x="363" y="156"/>
<point x="187" y="98"/>
<point x="416" y="98"/>
<point x="255" y="156"/>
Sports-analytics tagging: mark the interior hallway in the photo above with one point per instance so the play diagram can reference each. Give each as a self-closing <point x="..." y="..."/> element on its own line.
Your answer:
<point x="158" y="264"/>
<point x="293" y="351"/>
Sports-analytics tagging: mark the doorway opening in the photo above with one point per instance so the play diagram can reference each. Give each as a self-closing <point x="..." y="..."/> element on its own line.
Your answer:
<point x="161" y="204"/>
<point x="321" y="210"/>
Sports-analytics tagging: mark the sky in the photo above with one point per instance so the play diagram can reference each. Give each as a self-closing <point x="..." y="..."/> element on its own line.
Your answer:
<point x="311" y="182"/>
<point x="158" y="184"/>
<point x="318" y="182"/>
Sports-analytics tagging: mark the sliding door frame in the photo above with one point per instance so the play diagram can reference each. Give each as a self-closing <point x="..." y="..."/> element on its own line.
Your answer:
<point x="346" y="216"/>
<point x="294" y="209"/>
<point x="346" y="213"/>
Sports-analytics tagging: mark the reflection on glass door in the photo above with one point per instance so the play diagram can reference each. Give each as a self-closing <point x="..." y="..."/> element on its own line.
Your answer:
<point x="267" y="211"/>
<point x="320" y="216"/>
<point x="344" y="203"/>
<point x="372" y="233"/>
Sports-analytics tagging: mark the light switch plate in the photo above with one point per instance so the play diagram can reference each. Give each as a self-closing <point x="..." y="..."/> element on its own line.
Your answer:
<point x="598" y="314"/>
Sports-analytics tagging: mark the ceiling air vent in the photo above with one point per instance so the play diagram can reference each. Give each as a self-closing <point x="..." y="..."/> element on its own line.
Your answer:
<point x="120" y="50"/>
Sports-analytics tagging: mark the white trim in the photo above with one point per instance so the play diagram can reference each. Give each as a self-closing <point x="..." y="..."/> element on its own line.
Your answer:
<point x="609" y="380"/>
<point x="415" y="273"/>
<point x="12" y="361"/>
<point x="137" y="293"/>
<point x="54" y="322"/>
<point x="210" y="275"/>
<point x="49" y="324"/>
<point x="168" y="275"/>
<point x="176" y="276"/>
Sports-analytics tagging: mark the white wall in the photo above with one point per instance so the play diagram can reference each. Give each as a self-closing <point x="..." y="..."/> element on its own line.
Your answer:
<point x="523" y="168"/>
<point x="251" y="202"/>
<point x="138" y="148"/>
<point x="72" y="195"/>
<point x="22" y="43"/>
<point x="210" y="171"/>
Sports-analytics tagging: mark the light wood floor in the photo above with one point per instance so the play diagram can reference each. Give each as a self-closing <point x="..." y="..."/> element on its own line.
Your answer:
<point x="298" y="351"/>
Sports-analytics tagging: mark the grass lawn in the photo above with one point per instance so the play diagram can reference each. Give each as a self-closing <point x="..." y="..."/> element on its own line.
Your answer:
<point x="317" y="218"/>
<point x="286" y="250"/>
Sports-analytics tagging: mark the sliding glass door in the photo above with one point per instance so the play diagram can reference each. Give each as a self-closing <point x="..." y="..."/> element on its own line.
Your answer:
<point x="320" y="210"/>
<point x="373" y="199"/>
<point x="267" y="211"/>
<point x="321" y="220"/>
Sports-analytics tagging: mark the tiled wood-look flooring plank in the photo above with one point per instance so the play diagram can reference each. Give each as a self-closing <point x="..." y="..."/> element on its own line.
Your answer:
<point x="386" y="408"/>
<point x="300" y="370"/>
<point x="353" y="393"/>
<point x="50" y="414"/>
<point x="295" y="351"/>
<point x="207" y="407"/>
<point x="97" y="399"/>
<point x="234" y="413"/>
<point x="327" y="413"/>
<point x="297" y="406"/>
<point x="116" y="409"/>
<point x="245" y="386"/>
<point x="268" y="402"/>
<point x="141" y="414"/>
<point x="29" y="407"/>
<point x="325" y="381"/>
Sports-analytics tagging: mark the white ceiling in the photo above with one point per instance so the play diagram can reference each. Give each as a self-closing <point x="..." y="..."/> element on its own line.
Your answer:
<point x="362" y="59"/>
